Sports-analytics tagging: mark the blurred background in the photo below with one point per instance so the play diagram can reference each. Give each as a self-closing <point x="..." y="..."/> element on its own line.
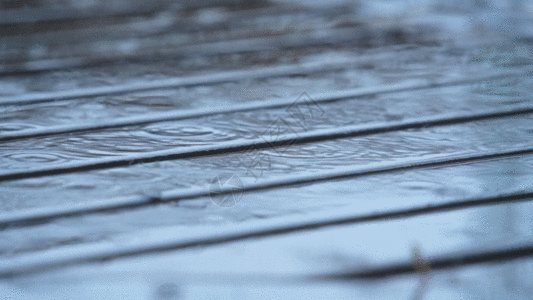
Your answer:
<point x="43" y="34"/>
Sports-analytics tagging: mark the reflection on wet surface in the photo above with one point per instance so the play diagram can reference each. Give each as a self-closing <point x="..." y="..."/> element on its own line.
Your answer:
<point x="473" y="137"/>
<point x="470" y="137"/>
<point x="374" y="193"/>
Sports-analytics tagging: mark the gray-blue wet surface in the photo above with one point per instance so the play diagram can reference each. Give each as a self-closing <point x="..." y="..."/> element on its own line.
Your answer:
<point x="381" y="192"/>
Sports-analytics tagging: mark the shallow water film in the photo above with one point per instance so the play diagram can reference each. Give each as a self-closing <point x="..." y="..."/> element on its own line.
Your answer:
<point x="266" y="150"/>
